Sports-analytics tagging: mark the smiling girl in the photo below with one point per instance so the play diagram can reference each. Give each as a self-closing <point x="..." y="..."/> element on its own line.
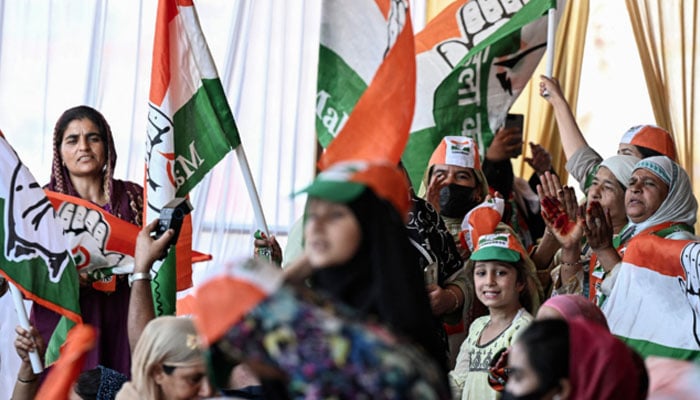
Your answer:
<point x="500" y="266"/>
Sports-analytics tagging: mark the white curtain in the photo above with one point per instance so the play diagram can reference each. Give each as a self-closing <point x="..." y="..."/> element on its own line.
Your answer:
<point x="58" y="54"/>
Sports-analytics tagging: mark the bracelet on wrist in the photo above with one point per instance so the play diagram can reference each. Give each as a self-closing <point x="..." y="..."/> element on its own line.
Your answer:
<point x="572" y="264"/>
<point x="456" y="306"/>
<point x="28" y="380"/>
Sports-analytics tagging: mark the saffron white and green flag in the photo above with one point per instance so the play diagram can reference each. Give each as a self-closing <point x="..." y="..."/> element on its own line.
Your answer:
<point x="654" y="305"/>
<point x="35" y="254"/>
<point x="366" y="83"/>
<point x="473" y="60"/>
<point x="190" y="129"/>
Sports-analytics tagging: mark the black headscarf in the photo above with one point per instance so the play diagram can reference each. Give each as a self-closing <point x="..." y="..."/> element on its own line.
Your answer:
<point x="383" y="280"/>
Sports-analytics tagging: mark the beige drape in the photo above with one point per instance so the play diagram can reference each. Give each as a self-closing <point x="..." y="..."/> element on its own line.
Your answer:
<point x="667" y="35"/>
<point x="540" y="125"/>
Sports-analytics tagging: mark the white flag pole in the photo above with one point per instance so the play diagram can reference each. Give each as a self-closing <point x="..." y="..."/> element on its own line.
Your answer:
<point x="550" y="42"/>
<point x="37" y="367"/>
<point x="252" y="191"/>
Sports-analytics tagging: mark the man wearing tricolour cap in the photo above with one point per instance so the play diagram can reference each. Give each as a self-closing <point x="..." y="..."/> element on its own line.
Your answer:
<point x="454" y="181"/>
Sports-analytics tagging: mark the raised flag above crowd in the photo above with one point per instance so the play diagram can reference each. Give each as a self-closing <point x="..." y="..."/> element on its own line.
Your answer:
<point x="190" y="129"/>
<point x="472" y="61"/>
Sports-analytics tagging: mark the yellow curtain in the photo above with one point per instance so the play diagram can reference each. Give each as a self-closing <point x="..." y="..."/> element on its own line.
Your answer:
<point x="433" y="8"/>
<point x="540" y="125"/>
<point x="667" y="35"/>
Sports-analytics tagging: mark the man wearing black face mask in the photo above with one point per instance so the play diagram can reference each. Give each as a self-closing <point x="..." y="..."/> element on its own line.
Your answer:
<point x="455" y="183"/>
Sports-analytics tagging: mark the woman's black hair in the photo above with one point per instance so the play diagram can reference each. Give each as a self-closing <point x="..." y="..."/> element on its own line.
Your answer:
<point x="77" y="113"/>
<point x="546" y="344"/>
<point x="647" y="152"/>
<point x="88" y="384"/>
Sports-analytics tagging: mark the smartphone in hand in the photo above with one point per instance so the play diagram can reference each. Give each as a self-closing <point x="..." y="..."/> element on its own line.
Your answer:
<point x="516" y="121"/>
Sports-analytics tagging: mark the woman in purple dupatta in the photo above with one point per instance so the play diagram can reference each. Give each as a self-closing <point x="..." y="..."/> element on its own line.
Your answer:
<point x="83" y="166"/>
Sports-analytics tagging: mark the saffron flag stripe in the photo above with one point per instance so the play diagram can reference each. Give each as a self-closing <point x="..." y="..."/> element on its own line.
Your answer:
<point x="654" y="305"/>
<point x="381" y="136"/>
<point x="353" y="44"/>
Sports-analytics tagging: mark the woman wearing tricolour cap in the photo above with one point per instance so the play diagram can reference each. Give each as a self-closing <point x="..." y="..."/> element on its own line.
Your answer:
<point x="640" y="141"/>
<point x="357" y="247"/>
<point x="500" y="270"/>
<point x="454" y="181"/>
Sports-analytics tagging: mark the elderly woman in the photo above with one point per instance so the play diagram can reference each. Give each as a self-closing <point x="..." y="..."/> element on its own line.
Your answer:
<point x="572" y="264"/>
<point x="83" y="165"/>
<point x="168" y="363"/>
<point x="650" y="294"/>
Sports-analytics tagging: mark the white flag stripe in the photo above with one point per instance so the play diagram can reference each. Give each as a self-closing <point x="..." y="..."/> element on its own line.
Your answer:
<point x="352" y="32"/>
<point x="647" y="305"/>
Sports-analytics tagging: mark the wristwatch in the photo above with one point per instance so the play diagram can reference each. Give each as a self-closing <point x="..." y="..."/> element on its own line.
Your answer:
<point x="139" y="276"/>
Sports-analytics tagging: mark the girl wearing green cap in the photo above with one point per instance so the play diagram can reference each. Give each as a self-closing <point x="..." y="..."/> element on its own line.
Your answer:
<point x="500" y="269"/>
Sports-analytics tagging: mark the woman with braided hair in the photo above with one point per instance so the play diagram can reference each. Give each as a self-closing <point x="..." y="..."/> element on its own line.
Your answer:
<point x="84" y="158"/>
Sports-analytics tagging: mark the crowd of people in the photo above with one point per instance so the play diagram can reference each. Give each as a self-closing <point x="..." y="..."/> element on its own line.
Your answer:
<point x="477" y="285"/>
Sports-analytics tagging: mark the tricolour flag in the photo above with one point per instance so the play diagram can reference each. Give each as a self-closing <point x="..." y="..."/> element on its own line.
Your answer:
<point x="35" y="255"/>
<point x="366" y="85"/>
<point x="654" y="305"/>
<point x="473" y="60"/>
<point x="190" y="129"/>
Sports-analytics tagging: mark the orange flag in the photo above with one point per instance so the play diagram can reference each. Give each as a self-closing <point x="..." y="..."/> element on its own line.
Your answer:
<point x="378" y="126"/>
<point x="65" y="371"/>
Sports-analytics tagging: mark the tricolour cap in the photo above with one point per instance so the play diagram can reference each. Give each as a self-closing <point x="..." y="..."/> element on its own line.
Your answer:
<point x="460" y="151"/>
<point x="652" y="137"/>
<point x="501" y="246"/>
<point x="345" y="181"/>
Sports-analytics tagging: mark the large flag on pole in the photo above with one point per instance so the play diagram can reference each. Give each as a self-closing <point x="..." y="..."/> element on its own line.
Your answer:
<point x="35" y="254"/>
<point x="190" y="129"/>
<point x="366" y="83"/>
<point x="473" y="60"/>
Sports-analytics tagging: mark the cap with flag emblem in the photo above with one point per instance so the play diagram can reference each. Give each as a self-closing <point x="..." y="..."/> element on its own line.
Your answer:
<point x="456" y="150"/>
<point x="500" y="246"/>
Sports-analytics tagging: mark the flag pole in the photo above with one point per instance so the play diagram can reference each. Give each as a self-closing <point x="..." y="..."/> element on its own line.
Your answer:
<point x="550" y="42"/>
<point x="252" y="191"/>
<point x="34" y="359"/>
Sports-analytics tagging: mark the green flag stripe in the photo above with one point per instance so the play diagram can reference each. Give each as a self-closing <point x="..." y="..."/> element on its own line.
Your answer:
<point x="204" y="133"/>
<point x="338" y="90"/>
<point x="646" y="348"/>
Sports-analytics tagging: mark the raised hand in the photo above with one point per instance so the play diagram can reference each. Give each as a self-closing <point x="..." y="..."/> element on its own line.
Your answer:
<point x="550" y="89"/>
<point x="541" y="160"/>
<point x="559" y="211"/>
<point x="598" y="227"/>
